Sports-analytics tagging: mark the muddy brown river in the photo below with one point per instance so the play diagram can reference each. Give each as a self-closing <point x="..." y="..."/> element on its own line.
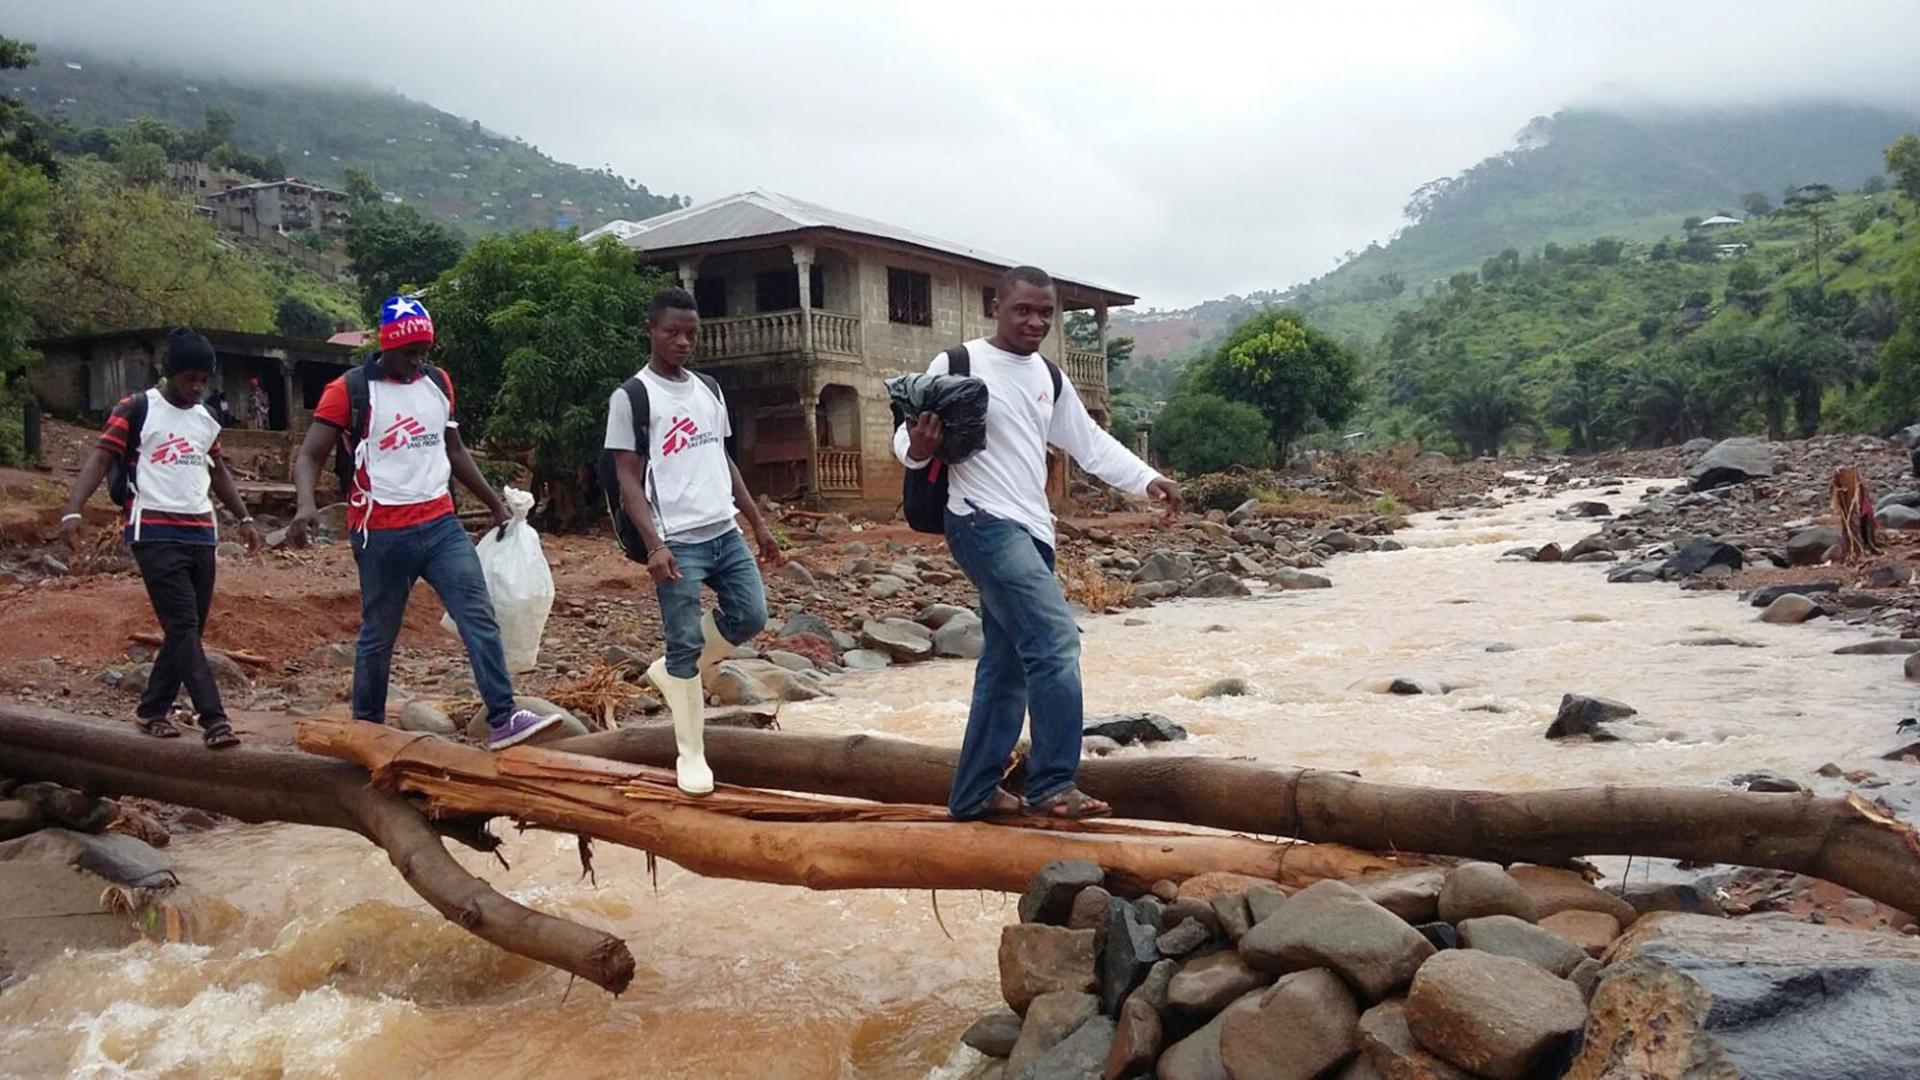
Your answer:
<point x="314" y="959"/>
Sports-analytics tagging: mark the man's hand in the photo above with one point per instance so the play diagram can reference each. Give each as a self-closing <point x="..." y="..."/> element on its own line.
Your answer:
<point x="70" y="532"/>
<point x="770" y="552"/>
<point x="251" y="534"/>
<point x="1168" y="492"/>
<point x="300" y="529"/>
<point x="501" y="519"/>
<point x="925" y="437"/>
<point x="661" y="565"/>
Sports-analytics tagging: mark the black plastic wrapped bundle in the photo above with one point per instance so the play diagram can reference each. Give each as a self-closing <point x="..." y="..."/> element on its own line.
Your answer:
<point x="959" y="400"/>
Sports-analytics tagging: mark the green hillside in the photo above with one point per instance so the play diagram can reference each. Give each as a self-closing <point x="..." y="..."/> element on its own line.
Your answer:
<point x="449" y="166"/>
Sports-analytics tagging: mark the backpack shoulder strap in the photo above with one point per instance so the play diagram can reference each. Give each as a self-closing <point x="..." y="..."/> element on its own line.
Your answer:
<point x="712" y="386"/>
<point x="959" y="361"/>
<point x="358" y="398"/>
<point x="136" y="422"/>
<point x="439" y="380"/>
<point x="1053" y="372"/>
<point x="641" y="405"/>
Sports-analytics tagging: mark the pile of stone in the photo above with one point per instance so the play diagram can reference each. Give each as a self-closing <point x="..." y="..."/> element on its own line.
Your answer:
<point x="1463" y="971"/>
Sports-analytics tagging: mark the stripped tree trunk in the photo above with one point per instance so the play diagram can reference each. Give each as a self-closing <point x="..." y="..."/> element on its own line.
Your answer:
<point x="1846" y="841"/>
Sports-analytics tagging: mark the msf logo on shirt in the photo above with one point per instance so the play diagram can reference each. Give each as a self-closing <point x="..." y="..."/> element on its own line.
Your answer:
<point x="176" y="450"/>
<point x="406" y="433"/>
<point x="682" y="434"/>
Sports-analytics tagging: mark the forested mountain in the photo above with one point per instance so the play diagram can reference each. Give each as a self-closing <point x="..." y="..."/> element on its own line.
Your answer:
<point x="451" y="167"/>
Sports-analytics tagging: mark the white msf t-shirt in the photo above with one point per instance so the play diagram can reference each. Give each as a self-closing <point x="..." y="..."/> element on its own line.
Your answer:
<point x="689" y="486"/>
<point x="1008" y="477"/>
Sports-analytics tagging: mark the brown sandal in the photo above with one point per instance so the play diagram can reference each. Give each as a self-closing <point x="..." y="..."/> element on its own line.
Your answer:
<point x="159" y="727"/>
<point x="219" y="735"/>
<point x="1070" y="804"/>
<point x="1003" y="804"/>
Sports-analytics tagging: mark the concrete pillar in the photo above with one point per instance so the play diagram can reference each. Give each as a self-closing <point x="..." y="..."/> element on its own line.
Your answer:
<point x="689" y="273"/>
<point x="803" y="266"/>
<point x="1100" y="322"/>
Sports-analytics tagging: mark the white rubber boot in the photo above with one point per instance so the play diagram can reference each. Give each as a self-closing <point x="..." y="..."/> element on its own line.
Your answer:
<point x="716" y="648"/>
<point x="687" y="700"/>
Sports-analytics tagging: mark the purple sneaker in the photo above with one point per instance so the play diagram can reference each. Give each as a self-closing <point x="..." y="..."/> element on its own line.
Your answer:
<point x="520" y="727"/>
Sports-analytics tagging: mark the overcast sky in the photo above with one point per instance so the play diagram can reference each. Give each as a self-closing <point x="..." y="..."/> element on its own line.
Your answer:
<point x="1181" y="151"/>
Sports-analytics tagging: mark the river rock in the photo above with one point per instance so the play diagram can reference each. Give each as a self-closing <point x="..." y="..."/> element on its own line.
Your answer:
<point x="235" y="687"/>
<point x="1331" y="924"/>
<point x="892" y="639"/>
<point x="1080" y="1056"/>
<point x="1137" y="1038"/>
<point x="1912" y="668"/>
<point x="1216" y="585"/>
<point x="1050" y="895"/>
<point x="962" y="637"/>
<point x="1682" y="897"/>
<point x="1383" y="1037"/>
<point x="1700" y="554"/>
<point x="1412" y="894"/>
<point x="1899" y="517"/>
<point x="1581" y="714"/>
<point x="1127" y="729"/>
<point x="1789" y="609"/>
<point x="569" y="724"/>
<point x="1291" y="580"/>
<point x="1547" y="553"/>
<point x="1493" y="1015"/>
<point x="1212" y="883"/>
<point x="1300" y="1028"/>
<point x="1089" y="910"/>
<point x="1589" y="509"/>
<point x="885" y="587"/>
<point x="1155" y="590"/>
<point x="1231" y="912"/>
<point x="1183" y="939"/>
<point x="1263" y="903"/>
<point x="1478" y="889"/>
<point x="994" y="1034"/>
<point x="865" y="660"/>
<point x="1691" y="995"/>
<point x="418" y="715"/>
<point x="935" y="616"/>
<point x="1051" y="1018"/>
<point x="1230" y="686"/>
<point x="1762" y="597"/>
<point x="1197" y="1057"/>
<point x="1554" y="890"/>
<point x="1207" y="984"/>
<point x="1732" y="461"/>
<point x="1592" y="931"/>
<point x="1128" y="955"/>
<point x="1037" y="959"/>
<point x="1182" y="908"/>
<point x="1162" y="566"/>
<point x="1635" y="573"/>
<point x="1881" y="647"/>
<point x="1522" y="940"/>
<point x="805" y="622"/>
<point x="1810" y="547"/>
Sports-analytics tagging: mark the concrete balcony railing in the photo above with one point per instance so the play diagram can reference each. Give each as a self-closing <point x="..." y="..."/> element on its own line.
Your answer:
<point x="775" y="332"/>
<point x="839" y="470"/>
<point x="1088" y="370"/>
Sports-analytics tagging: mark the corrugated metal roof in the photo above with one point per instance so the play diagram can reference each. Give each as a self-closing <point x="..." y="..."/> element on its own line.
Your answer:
<point x="759" y="213"/>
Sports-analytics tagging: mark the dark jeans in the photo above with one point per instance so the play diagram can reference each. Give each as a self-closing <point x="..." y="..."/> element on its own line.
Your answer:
<point x="725" y="565"/>
<point x="1029" y="662"/>
<point x="179" y="581"/>
<point x="390" y="561"/>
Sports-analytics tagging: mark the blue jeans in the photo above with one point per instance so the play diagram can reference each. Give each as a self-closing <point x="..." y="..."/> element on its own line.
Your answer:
<point x="1029" y="662"/>
<point x="725" y="565"/>
<point x="390" y="561"/>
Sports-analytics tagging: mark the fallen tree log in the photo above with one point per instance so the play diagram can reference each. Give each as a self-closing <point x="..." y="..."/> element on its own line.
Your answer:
<point x="761" y="836"/>
<point x="256" y="783"/>
<point x="238" y="656"/>
<point x="1844" y="841"/>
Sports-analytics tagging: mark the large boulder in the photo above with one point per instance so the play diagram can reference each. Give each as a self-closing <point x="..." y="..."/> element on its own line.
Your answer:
<point x="1413" y="894"/>
<point x="994" y="1034"/>
<point x="1809" y="547"/>
<point x="1733" y="461"/>
<point x="1050" y="895"/>
<point x="892" y="639"/>
<point x="1383" y="1037"/>
<point x="805" y="622"/>
<point x="1135" y="727"/>
<point x="1789" y="609"/>
<point x="1297" y="579"/>
<point x="1592" y="931"/>
<point x="1331" y="924"/>
<point x="1197" y="1057"/>
<point x="1080" y="1056"/>
<point x="1207" y="984"/>
<point x="1520" y="939"/>
<point x="1051" y="1018"/>
<point x="1554" y="890"/>
<point x="1699" y="554"/>
<point x="1038" y="959"/>
<point x="1762" y="597"/>
<point x="1693" y="995"/>
<point x="1129" y="953"/>
<point x="1300" y="1028"/>
<point x="1217" y="585"/>
<point x="1163" y="566"/>
<point x="961" y="637"/>
<point x="1582" y="714"/>
<point x="1899" y="517"/>
<point x="1478" y="889"/>
<point x="1138" y="1037"/>
<point x="1494" y="1015"/>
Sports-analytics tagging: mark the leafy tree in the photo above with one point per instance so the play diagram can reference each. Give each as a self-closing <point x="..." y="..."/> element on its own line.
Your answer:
<point x="1083" y="332"/>
<point x="1203" y="433"/>
<point x="1584" y="402"/>
<point x="21" y="137"/>
<point x="359" y="186"/>
<point x="1756" y="204"/>
<point x="1295" y="375"/>
<point x="296" y="316"/>
<point x="25" y="197"/>
<point x="218" y="124"/>
<point x="1672" y="398"/>
<point x="1481" y="408"/>
<point x="1124" y="429"/>
<point x="142" y="164"/>
<point x="1606" y="251"/>
<point x="1903" y="161"/>
<point x="1812" y="203"/>
<point x="120" y="256"/>
<point x="1898" y="388"/>
<point x="537" y="329"/>
<point x="1119" y="355"/>
<point x="393" y="248"/>
<point x="1874" y="185"/>
<point x="1747" y="285"/>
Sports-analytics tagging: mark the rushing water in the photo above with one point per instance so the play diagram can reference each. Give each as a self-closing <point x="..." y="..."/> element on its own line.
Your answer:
<point x="316" y="960"/>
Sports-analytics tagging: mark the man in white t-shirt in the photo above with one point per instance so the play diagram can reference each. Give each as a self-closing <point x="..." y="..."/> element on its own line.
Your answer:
<point x="1000" y="531"/>
<point x="681" y="490"/>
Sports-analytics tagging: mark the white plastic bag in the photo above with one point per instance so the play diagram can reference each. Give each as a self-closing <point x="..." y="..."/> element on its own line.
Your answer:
<point x="519" y="583"/>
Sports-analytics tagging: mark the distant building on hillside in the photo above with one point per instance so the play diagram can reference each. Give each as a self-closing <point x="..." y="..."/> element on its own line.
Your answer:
<point x="287" y="207"/>
<point x="1718" y="221"/>
<point x="197" y="180"/>
<point x="806" y="312"/>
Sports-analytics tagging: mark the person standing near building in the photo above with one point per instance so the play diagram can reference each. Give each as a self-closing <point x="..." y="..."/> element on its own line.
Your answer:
<point x="1000" y="530"/>
<point x="666" y="432"/>
<point x="259" y="408"/>
<point x="167" y="446"/>
<point x="396" y="411"/>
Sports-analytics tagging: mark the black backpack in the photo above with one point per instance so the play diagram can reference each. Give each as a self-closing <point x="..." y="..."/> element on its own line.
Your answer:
<point x="923" y="492"/>
<point x="120" y="483"/>
<point x="638" y="401"/>
<point x="359" y="399"/>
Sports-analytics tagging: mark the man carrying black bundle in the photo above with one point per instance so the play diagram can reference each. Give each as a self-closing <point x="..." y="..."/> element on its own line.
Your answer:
<point x="1000" y="530"/>
<point x="166" y="445"/>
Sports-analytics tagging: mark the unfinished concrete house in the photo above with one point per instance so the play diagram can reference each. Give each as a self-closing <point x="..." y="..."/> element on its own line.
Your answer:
<point x="806" y="312"/>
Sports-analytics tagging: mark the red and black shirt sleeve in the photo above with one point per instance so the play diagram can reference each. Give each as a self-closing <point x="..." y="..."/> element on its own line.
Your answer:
<point x="114" y="436"/>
